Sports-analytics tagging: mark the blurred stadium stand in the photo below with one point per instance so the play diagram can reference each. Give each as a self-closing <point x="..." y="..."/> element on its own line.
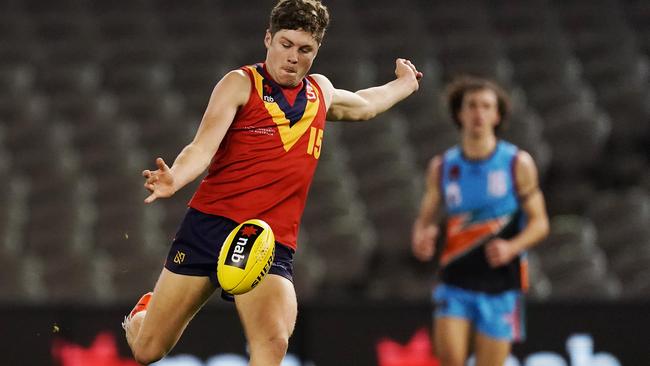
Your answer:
<point x="92" y="91"/>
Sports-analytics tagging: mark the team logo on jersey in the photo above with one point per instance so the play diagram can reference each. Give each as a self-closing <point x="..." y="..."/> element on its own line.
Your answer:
<point x="497" y="183"/>
<point x="268" y="93"/>
<point x="453" y="196"/>
<point x="454" y="172"/>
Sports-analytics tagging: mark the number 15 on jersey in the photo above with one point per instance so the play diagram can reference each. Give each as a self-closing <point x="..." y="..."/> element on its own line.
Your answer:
<point x="315" y="141"/>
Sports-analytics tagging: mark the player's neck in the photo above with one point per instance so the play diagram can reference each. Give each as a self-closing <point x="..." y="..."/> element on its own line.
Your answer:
<point x="478" y="148"/>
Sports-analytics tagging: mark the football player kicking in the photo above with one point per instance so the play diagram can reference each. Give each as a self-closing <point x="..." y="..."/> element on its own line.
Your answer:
<point x="260" y="139"/>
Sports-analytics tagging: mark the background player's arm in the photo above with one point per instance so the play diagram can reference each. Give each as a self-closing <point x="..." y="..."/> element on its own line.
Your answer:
<point x="367" y="103"/>
<point x="499" y="251"/>
<point x="229" y="94"/>
<point x="425" y="230"/>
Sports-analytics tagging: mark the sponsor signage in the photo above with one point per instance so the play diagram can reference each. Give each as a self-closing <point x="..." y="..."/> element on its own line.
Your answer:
<point x="558" y="334"/>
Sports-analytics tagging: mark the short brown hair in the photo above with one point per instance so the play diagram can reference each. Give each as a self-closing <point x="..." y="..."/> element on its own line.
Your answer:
<point x="457" y="89"/>
<point x="308" y="15"/>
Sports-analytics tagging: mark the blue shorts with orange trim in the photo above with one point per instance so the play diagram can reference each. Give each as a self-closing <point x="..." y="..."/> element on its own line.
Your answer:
<point x="499" y="316"/>
<point x="195" y="249"/>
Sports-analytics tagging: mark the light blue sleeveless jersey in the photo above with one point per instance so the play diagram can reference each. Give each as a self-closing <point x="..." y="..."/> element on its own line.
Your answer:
<point x="480" y="198"/>
<point x="485" y="187"/>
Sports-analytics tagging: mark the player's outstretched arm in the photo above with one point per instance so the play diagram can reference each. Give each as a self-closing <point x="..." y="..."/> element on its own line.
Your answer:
<point x="229" y="94"/>
<point x="367" y="103"/>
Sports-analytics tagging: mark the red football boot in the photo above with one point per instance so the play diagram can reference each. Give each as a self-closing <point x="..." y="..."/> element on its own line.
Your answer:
<point x="140" y="306"/>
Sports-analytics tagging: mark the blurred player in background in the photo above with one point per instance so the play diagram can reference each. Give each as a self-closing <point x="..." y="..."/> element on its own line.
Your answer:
<point x="261" y="138"/>
<point x="494" y="211"/>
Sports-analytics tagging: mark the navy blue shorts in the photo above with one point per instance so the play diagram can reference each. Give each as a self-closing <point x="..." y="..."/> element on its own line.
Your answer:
<point x="195" y="249"/>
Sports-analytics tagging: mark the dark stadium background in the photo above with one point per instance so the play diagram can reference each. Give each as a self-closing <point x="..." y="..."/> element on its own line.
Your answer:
<point x="92" y="91"/>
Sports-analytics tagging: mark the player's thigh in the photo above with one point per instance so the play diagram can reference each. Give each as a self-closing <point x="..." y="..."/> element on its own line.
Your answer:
<point x="269" y="311"/>
<point x="498" y="323"/>
<point x="453" y="324"/>
<point x="176" y="299"/>
<point x="451" y="338"/>
<point x="490" y="351"/>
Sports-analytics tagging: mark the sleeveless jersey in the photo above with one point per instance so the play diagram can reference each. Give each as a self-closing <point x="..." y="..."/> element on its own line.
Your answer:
<point x="481" y="201"/>
<point x="266" y="161"/>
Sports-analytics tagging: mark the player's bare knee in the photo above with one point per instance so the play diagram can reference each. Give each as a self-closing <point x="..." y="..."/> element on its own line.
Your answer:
<point x="146" y="353"/>
<point x="147" y="357"/>
<point x="275" y="346"/>
<point x="279" y="345"/>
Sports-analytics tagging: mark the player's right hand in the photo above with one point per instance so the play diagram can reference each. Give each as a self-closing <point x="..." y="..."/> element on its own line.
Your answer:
<point x="160" y="182"/>
<point x="423" y="243"/>
<point x="406" y="69"/>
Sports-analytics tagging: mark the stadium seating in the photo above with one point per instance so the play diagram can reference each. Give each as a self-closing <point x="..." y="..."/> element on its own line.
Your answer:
<point x="91" y="92"/>
<point x="624" y="234"/>
<point x="576" y="266"/>
<point x="340" y="224"/>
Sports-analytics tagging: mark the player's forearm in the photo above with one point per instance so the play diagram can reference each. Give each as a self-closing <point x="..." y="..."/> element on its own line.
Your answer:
<point x="428" y="216"/>
<point x="423" y="222"/>
<point x="382" y="98"/>
<point x="535" y="231"/>
<point x="429" y="212"/>
<point x="190" y="163"/>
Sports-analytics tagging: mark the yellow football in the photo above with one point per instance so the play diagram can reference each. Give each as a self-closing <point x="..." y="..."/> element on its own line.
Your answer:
<point x="246" y="256"/>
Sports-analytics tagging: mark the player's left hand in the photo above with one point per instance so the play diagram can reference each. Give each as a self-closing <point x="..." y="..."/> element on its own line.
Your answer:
<point x="405" y="69"/>
<point x="159" y="182"/>
<point x="423" y="242"/>
<point x="499" y="252"/>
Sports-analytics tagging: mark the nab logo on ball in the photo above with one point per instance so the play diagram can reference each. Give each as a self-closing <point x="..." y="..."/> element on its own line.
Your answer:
<point x="241" y="247"/>
<point x="246" y="256"/>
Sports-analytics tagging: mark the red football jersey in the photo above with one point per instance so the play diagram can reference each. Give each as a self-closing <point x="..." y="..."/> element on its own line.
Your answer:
<point x="266" y="161"/>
